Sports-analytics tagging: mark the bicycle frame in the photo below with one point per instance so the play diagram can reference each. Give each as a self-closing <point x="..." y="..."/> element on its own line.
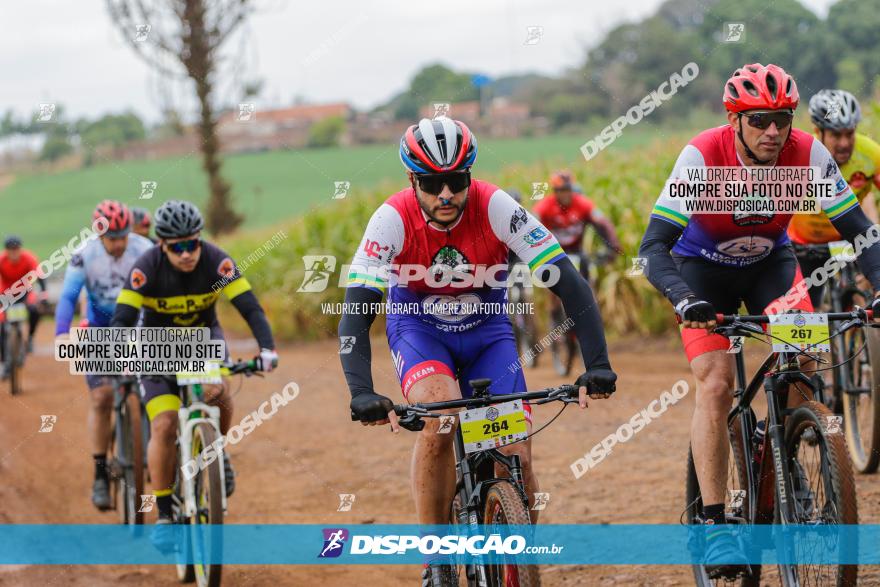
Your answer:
<point x="192" y="413"/>
<point x="776" y="386"/>
<point x="122" y="387"/>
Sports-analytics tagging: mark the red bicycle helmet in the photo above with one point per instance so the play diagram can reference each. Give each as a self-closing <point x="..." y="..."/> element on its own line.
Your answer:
<point x="561" y="180"/>
<point x="117" y="215"/>
<point x="756" y="86"/>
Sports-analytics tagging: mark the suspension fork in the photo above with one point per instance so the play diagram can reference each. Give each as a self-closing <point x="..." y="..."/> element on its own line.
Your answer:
<point x="776" y="387"/>
<point x="467" y="514"/>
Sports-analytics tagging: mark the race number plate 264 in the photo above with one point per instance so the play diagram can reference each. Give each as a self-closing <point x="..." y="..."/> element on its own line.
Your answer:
<point x="493" y="426"/>
<point x="800" y="332"/>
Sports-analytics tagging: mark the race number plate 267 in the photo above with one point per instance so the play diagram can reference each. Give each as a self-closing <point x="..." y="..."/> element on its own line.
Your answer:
<point x="493" y="426"/>
<point x="800" y="332"/>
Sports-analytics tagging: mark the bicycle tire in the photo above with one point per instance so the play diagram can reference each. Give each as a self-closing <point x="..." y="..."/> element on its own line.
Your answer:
<point x="863" y="435"/>
<point x="13" y="364"/>
<point x="561" y="364"/>
<point x="503" y="505"/>
<point x="209" y="507"/>
<point x="833" y="452"/>
<point x="737" y="480"/>
<point x="134" y="455"/>
<point x="525" y="341"/>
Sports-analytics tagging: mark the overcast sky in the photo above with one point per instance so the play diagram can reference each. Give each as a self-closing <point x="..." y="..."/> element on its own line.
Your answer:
<point x="329" y="50"/>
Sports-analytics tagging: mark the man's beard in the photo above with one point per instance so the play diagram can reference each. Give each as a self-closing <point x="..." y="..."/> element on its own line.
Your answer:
<point x="427" y="210"/>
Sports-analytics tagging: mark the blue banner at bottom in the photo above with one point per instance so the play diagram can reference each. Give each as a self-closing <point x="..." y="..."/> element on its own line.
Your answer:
<point x="413" y="544"/>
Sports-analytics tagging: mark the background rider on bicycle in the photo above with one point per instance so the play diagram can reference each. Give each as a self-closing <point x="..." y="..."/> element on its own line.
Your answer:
<point x="836" y="115"/>
<point x="101" y="266"/>
<point x="177" y="284"/>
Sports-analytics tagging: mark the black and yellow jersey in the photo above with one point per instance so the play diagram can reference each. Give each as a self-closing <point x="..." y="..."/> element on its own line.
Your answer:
<point x="171" y="298"/>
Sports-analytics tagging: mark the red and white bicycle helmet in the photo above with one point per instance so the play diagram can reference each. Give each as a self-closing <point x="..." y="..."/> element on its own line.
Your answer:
<point x="118" y="217"/>
<point x="756" y="86"/>
<point x="438" y="146"/>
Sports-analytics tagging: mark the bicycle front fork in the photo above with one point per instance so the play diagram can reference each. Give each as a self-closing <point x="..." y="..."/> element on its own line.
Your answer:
<point x="777" y="389"/>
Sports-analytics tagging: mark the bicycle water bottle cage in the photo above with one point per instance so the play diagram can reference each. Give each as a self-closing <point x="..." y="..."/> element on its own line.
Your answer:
<point x="481" y="387"/>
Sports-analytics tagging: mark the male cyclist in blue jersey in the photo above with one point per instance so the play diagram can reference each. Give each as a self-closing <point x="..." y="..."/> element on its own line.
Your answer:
<point x="453" y="227"/>
<point x="100" y="265"/>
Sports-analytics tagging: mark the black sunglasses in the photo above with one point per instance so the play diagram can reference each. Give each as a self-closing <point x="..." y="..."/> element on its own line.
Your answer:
<point x="763" y="120"/>
<point x="187" y="246"/>
<point x="433" y="183"/>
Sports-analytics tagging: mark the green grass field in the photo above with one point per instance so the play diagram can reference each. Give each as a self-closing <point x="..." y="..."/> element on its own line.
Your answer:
<point x="47" y="210"/>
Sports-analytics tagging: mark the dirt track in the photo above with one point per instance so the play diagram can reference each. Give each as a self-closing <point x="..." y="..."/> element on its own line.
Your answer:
<point x="292" y="468"/>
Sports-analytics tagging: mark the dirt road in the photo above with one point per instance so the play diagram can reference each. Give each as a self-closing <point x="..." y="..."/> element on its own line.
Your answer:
<point x="292" y="468"/>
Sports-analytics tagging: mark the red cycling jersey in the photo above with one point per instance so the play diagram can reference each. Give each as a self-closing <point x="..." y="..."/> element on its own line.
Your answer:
<point x="11" y="272"/>
<point x="567" y="222"/>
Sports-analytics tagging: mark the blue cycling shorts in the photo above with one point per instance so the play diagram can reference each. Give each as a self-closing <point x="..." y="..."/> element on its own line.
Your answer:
<point x="419" y="349"/>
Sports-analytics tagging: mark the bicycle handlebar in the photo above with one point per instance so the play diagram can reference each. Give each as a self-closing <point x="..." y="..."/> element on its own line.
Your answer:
<point x="242" y="367"/>
<point x="411" y="414"/>
<point x="857" y="314"/>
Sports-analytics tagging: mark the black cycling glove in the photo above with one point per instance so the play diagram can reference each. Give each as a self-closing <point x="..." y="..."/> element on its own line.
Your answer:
<point x="691" y="309"/>
<point x="370" y="407"/>
<point x="598" y="381"/>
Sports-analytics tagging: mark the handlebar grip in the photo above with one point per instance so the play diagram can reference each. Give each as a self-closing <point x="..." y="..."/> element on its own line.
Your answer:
<point x="719" y="318"/>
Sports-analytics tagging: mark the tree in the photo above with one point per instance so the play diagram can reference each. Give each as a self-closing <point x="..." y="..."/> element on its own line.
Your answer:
<point x="57" y="145"/>
<point x="184" y="40"/>
<point x="326" y="133"/>
<point x="854" y="24"/>
<point x="434" y="83"/>
<point x="110" y="130"/>
<point x="851" y="77"/>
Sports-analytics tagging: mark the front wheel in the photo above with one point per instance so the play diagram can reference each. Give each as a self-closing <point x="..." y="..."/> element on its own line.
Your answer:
<point x="207" y="538"/>
<point x="824" y="490"/>
<point x="504" y="506"/>
<point x="132" y="456"/>
<point x="14" y="358"/>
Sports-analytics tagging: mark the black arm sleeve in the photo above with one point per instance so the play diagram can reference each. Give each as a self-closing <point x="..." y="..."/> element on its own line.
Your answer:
<point x="249" y="308"/>
<point x="661" y="270"/>
<point x="124" y="316"/>
<point x="356" y="364"/>
<point x="855" y="227"/>
<point x="580" y="305"/>
<point x="42" y="283"/>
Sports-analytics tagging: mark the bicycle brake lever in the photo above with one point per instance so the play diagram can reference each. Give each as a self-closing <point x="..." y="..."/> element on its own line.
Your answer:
<point x="412" y="422"/>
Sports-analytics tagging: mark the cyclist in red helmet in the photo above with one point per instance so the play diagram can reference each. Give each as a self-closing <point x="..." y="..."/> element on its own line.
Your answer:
<point x="101" y="267"/>
<point x="567" y="212"/>
<point x="706" y="263"/>
<point x="15" y="263"/>
<point x="142" y="221"/>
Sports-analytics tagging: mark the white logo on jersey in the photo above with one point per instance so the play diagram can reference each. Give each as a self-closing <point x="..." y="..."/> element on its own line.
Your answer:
<point x="451" y="308"/>
<point x="745" y="246"/>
